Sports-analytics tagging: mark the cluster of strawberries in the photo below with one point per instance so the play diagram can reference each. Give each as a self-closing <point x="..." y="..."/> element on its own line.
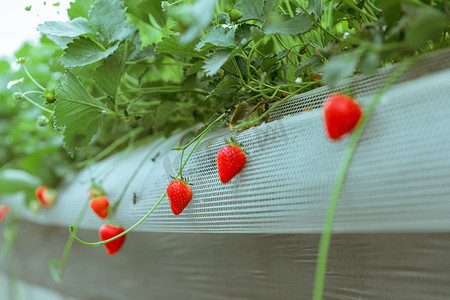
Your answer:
<point x="341" y="115"/>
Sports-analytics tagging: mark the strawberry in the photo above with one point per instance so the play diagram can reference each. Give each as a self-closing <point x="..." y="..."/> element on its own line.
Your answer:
<point x="4" y="210"/>
<point x="230" y="161"/>
<point x="100" y="206"/>
<point x="108" y="231"/>
<point x="45" y="195"/>
<point x="341" y="114"/>
<point x="179" y="194"/>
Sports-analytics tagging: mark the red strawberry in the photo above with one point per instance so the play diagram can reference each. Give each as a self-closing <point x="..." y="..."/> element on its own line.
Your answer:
<point x="108" y="231"/>
<point x="46" y="196"/>
<point x="4" y="210"/>
<point x="100" y="206"/>
<point x="179" y="194"/>
<point x="230" y="161"/>
<point x="341" y="115"/>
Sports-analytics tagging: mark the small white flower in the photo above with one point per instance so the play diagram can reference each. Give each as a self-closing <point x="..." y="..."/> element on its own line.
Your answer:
<point x="14" y="82"/>
<point x="298" y="80"/>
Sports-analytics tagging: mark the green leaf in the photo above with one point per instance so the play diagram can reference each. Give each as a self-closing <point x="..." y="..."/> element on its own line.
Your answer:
<point x="195" y="68"/>
<point x="79" y="8"/>
<point x="84" y="51"/>
<point x="145" y="53"/>
<point x="283" y="24"/>
<point x="141" y="9"/>
<point x="164" y="112"/>
<point x="200" y="13"/>
<point x="77" y="112"/>
<point x="244" y="34"/>
<point x="219" y="37"/>
<point x="70" y="28"/>
<point x="172" y="45"/>
<point x="60" y="41"/>
<point x="228" y="85"/>
<point x="109" y="74"/>
<point x="339" y="67"/>
<point x="215" y="62"/>
<point x="427" y="24"/>
<point x="315" y="6"/>
<point x="256" y="9"/>
<point x="13" y="181"/>
<point x="109" y="18"/>
<point x="369" y="63"/>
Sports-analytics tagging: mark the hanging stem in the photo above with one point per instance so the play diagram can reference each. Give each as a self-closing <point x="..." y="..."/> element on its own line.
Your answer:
<point x="199" y="139"/>
<point x="32" y="79"/>
<point x="328" y="225"/>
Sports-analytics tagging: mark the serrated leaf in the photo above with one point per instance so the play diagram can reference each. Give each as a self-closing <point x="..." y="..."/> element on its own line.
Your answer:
<point x="109" y="18"/>
<point x="164" y="111"/>
<point x="221" y="36"/>
<point x="77" y="112"/>
<point x="339" y="67"/>
<point x="215" y="62"/>
<point x="13" y="181"/>
<point x="141" y="9"/>
<point x="283" y="24"/>
<point x="244" y="34"/>
<point x="172" y="45"/>
<point x="70" y="28"/>
<point x="256" y="9"/>
<point x="79" y="8"/>
<point x="145" y="53"/>
<point x="228" y="85"/>
<point x="315" y="6"/>
<point x="84" y="51"/>
<point x="108" y="75"/>
<point x="195" y="68"/>
<point x="60" y="41"/>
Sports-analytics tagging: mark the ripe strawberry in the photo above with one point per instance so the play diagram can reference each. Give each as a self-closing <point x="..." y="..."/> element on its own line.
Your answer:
<point x="230" y="161"/>
<point x="341" y="115"/>
<point x="179" y="194"/>
<point x="100" y="206"/>
<point x="4" y="210"/>
<point x="45" y="195"/>
<point x="108" y="231"/>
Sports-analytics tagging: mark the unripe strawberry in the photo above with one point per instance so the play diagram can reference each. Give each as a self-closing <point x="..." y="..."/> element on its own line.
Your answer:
<point x="46" y="196"/>
<point x="179" y="195"/>
<point x="100" y="206"/>
<point x="341" y="115"/>
<point x="231" y="160"/>
<point x="107" y="232"/>
<point x="4" y="211"/>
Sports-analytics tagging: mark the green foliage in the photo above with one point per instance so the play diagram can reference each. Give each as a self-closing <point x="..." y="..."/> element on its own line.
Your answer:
<point x="161" y="66"/>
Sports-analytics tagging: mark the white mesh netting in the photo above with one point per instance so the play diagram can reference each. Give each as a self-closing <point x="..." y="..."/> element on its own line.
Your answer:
<point x="398" y="180"/>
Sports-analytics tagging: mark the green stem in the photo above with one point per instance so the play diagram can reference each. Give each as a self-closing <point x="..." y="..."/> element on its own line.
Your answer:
<point x="318" y="24"/>
<point x="328" y="225"/>
<point x="253" y="122"/>
<point x="199" y="138"/>
<point x="203" y="132"/>
<point x="56" y="266"/>
<point x="32" y="79"/>
<point x="36" y="104"/>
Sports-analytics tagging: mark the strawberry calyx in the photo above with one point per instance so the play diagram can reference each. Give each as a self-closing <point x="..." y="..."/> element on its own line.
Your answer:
<point x="233" y="142"/>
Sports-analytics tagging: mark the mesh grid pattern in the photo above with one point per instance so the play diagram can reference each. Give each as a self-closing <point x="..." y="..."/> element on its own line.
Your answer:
<point x="398" y="180"/>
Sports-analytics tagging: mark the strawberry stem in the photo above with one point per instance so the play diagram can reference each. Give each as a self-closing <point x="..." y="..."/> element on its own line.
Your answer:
<point x="342" y="171"/>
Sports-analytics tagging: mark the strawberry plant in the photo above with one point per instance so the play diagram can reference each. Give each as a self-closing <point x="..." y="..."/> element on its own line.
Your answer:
<point x="120" y="73"/>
